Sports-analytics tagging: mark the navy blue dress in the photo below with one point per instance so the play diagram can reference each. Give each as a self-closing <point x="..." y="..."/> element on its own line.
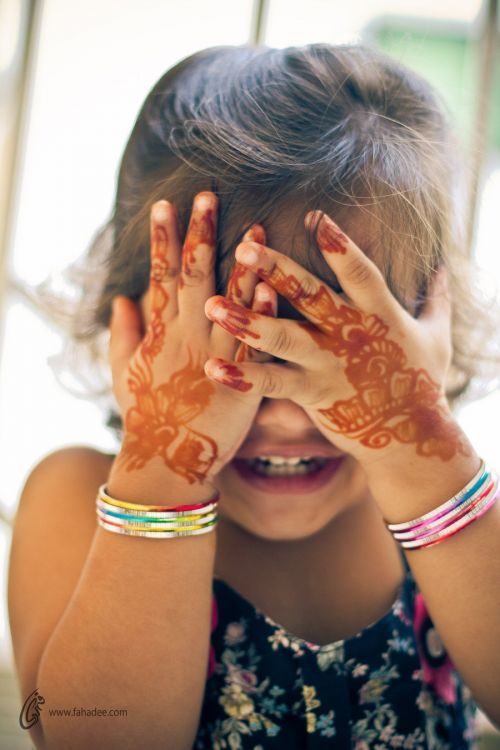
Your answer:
<point x="392" y="685"/>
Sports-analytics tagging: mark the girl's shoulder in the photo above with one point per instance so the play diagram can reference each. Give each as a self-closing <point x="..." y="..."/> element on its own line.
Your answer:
<point x="76" y="470"/>
<point x="73" y="457"/>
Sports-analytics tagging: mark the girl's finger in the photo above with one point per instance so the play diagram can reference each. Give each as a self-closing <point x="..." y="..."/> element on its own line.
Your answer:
<point x="165" y="259"/>
<point x="310" y="296"/>
<point x="240" y="288"/>
<point x="198" y="255"/>
<point x="358" y="276"/>
<point x="273" y="380"/>
<point x="279" y="337"/>
<point x="265" y="302"/>
<point x="242" y="282"/>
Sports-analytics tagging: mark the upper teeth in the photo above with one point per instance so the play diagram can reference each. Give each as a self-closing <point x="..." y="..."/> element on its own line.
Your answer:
<point x="282" y="461"/>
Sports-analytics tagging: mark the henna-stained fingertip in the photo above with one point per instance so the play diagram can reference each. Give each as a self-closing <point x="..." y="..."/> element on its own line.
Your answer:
<point x="227" y="373"/>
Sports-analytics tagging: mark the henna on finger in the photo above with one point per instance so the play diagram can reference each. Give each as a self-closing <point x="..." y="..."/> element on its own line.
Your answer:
<point x="228" y="374"/>
<point x="302" y="289"/>
<point x="199" y="245"/>
<point x="234" y="318"/>
<point x="158" y="422"/>
<point x="392" y="402"/>
<point x="264" y="302"/>
<point x="246" y="295"/>
<point x="236" y="290"/>
<point x="277" y="337"/>
<point x="267" y="379"/>
<point x="328" y="235"/>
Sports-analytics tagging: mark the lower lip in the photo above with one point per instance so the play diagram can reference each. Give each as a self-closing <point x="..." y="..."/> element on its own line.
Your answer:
<point x="300" y="483"/>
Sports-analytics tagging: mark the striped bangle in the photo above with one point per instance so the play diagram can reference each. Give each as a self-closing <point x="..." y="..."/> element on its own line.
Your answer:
<point x="102" y="493"/>
<point x="150" y="516"/>
<point x="469" y="489"/>
<point x="455" y="514"/>
<point x="440" y="523"/>
<point x="155" y="521"/>
<point x="154" y="534"/>
<point x="452" y="529"/>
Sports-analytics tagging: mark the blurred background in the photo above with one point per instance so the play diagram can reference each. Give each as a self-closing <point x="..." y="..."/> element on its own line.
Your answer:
<point x="72" y="78"/>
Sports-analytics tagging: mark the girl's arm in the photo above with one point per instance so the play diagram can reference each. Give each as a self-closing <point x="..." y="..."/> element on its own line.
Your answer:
<point x="371" y="377"/>
<point x="135" y="633"/>
<point x="133" y="629"/>
<point x="459" y="577"/>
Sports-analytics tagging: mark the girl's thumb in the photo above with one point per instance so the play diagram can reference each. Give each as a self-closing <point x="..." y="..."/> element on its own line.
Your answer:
<point x="125" y="331"/>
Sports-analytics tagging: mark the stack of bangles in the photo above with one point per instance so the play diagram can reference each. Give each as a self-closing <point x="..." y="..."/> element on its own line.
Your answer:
<point x="155" y="521"/>
<point x="455" y="514"/>
<point x="165" y="521"/>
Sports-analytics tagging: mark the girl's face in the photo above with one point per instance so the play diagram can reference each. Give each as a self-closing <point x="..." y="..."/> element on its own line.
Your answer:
<point x="281" y="496"/>
<point x="287" y="481"/>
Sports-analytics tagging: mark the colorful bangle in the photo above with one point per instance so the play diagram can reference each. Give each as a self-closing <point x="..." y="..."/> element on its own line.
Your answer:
<point x="102" y="493"/>
<point x="467" y="491"/>
<point x="125" y="513"/>
<point x="154" y="534"/>
<point x="155" y="521"/>
<point x="480" y="494"/>
<point x="451" y="517"/>
<point x="469" y="518"/>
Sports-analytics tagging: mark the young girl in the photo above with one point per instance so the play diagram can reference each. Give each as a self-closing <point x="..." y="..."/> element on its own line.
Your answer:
<point x="316" y="559"/>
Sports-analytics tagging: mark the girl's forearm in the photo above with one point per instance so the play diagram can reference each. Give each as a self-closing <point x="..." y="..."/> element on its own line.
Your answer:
<point x="459" y="577"/>
<point x="134" y="636"/>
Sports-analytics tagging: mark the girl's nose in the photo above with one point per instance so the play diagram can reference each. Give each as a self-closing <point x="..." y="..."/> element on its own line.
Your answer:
<point x="282" y="414"/>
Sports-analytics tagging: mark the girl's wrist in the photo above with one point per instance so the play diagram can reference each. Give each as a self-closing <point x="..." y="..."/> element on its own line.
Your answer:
<point x="406" y="485"/>
<point x="156" y="484"/>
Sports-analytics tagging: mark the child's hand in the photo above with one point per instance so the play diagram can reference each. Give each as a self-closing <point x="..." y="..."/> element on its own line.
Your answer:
<point x="172" y="412"/>
<point x="368" y="374"/>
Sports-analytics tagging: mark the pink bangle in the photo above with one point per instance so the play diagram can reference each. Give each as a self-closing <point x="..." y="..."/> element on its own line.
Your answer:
<point x="453" y="528"/>
<point x="444" y="522"/>
<point x="467" y="523"/>
<point x="464" y="494"/>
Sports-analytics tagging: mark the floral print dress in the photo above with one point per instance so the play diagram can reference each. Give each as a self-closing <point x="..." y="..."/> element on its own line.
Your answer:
<point x="392" y="685"/>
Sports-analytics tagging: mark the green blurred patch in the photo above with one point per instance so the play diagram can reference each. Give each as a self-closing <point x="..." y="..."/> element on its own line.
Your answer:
<point x="449" y="58"/>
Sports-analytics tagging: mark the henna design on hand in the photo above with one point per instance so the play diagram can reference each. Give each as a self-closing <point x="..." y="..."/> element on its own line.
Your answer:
<point x="201" y="231"/>
<point x="236" y="319"/>
<point x="255" y="233"/>
<point x="232" y="377"/>
<point x="331" y="239"/>
<point x="392" y="401"/>
<point x="158" y="423"/>
<point x="234" y="291"/>
<point x="245" y="351"/>
<point x="233" y="287"/>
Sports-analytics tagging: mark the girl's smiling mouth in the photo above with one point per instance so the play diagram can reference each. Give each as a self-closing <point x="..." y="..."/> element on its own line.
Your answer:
<point x="277" y="474"/>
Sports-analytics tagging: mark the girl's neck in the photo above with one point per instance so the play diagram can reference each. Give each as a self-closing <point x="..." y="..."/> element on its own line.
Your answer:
<point x="329" y="585"/>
